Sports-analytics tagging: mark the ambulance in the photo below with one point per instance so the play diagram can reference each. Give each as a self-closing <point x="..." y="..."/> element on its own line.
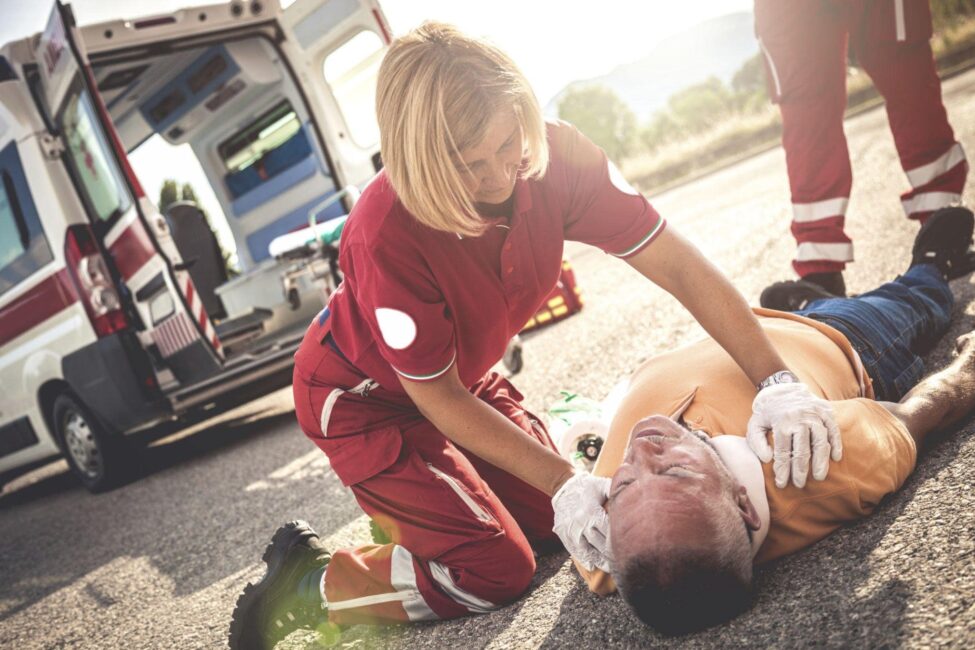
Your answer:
<point x="116" y="317"/>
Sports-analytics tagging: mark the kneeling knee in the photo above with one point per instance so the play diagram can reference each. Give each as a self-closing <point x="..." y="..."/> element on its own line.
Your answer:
<point x="505" y="568"/>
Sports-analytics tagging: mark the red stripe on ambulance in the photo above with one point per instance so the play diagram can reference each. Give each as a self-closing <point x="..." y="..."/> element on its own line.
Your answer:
<point x="52" y="295"/>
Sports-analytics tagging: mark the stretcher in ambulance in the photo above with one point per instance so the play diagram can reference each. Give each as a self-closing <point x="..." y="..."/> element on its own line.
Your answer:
<point x="115" y="316"/>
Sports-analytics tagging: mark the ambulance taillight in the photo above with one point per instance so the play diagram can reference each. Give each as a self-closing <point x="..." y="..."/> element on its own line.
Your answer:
<point x="93" y="281"/>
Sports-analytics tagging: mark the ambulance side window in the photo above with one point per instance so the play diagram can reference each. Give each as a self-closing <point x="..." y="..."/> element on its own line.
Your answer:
<point x="23" y="246"/>
<point x="351" y="70"/>
<point x="90" y="156"/>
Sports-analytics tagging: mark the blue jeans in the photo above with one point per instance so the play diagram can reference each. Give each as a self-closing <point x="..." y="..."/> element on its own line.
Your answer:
<point x="891" y="325"/>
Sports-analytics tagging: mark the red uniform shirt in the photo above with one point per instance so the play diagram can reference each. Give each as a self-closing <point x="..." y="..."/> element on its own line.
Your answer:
<point x="415" y="300"/>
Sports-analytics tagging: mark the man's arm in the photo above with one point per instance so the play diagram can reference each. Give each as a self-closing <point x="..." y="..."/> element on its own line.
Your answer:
<point x="941" y="399"/>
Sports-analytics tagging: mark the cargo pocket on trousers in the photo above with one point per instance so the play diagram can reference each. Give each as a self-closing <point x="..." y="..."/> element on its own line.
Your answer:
<point x="355" y="458"/>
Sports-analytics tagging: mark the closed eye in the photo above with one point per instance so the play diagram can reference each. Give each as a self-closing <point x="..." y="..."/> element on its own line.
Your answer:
<point x="619" y="487"/>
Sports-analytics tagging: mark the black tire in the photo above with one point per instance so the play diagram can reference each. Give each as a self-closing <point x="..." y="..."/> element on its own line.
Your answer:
<point x="95" y="455"/>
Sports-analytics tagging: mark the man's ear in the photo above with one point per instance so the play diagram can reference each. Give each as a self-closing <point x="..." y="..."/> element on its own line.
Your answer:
<point x="747" y="509"/>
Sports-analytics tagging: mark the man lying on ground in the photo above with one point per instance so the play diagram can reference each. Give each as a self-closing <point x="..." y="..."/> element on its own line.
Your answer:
<point x="691" y="507"/>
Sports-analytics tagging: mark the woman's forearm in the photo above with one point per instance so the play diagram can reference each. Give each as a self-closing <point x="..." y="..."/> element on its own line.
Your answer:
<point x="723" y="312"/>
<point x="679" y="268"/>
<point x="474" y="425"/>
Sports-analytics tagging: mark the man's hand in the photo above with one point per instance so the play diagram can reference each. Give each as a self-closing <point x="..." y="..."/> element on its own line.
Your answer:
<point x="580" y="520"/>
<point x="799" y="421"/>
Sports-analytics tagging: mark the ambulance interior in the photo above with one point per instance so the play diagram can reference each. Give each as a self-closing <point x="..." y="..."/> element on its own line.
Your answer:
<point x="238" y="109"/>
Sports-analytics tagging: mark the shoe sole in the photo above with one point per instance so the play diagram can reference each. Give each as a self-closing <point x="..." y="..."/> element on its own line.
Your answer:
<point x="240" y="638"/>
<point x="957" y="231"/>
<point x="772" y="295"/>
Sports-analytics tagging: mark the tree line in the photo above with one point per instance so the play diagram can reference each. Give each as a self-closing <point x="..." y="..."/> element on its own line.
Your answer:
<point x="609" y="122"/>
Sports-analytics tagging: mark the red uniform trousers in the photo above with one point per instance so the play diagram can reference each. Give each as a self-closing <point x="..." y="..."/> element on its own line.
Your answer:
<point x="462" y="530"/>
<point x="805" y="43"/>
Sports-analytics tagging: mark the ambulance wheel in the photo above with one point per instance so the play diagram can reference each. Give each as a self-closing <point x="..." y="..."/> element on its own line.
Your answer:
<point x="94" y="454"/>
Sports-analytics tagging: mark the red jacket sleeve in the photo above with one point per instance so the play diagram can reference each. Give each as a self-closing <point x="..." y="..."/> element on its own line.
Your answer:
<point x="602" y="209"/>
<point x="404" y="309"/>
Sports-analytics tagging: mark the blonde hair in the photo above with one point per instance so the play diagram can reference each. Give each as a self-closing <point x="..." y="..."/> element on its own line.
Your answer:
<point x="437" y="91"/>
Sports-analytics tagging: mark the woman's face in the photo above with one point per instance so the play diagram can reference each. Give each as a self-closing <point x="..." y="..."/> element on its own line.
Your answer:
<point x="490" y="168"/>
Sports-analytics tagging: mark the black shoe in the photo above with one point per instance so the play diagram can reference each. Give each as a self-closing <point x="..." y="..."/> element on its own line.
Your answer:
<point x="279" y="603"/>
<point x="832" y="282"/>
<point x="944" y="240"/>
<point x="792" y="295"/>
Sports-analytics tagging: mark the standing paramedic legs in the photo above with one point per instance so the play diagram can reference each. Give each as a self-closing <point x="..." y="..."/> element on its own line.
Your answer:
<point x="804" y="44"/>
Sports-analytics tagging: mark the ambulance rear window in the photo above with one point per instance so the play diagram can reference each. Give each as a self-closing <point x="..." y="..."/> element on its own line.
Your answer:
<point x="351" y="71"/>
<point x="91" y="159"/>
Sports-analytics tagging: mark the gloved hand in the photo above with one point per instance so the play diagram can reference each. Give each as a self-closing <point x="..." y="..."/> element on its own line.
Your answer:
<point x="799" y="421"/>
<point x="580" y="520"/>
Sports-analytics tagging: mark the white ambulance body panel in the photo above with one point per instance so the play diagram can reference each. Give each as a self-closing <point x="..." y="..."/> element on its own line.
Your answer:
<point x="104" y="320"/>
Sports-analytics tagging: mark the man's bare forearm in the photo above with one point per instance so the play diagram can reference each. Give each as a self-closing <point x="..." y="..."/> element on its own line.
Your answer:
<point x="940" y="399"/>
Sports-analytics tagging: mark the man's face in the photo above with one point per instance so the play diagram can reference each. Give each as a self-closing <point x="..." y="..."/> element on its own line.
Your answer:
<point x="667" y="489"/>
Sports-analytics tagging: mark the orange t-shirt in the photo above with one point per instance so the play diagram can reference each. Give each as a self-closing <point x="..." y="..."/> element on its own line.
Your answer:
<point x="704" y="384"/>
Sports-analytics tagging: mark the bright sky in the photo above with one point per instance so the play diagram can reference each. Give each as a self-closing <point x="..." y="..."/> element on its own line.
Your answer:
<point x="554" y="42"/>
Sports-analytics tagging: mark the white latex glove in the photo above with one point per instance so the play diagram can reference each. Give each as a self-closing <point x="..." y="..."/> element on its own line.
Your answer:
<point x="802" y="425"/>
<point x="580" y="520"/>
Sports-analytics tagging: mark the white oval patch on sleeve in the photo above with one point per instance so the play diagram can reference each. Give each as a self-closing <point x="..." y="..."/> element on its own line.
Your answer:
<point x="616" y="178"/>
<point x="397" y="328"/>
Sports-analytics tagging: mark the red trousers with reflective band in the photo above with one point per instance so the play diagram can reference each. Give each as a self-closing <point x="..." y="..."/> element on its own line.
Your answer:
<point x="462" y="530"/>
<point x="805" y="46"/>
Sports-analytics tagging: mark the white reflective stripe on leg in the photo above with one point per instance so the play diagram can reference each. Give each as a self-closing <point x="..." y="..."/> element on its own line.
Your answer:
<point x="771" y="67"/>
<point x="473" y="604"/>
<point x="454" y="485"/>
<point x="899" y="20"/>
<point x="335" y="395"/>
<point x="816" y="251"/>
<point x="929" y="201"/>
<point x="806" y="212"/>
<point x="926" y="173"/>
<point x="403" y="578"/>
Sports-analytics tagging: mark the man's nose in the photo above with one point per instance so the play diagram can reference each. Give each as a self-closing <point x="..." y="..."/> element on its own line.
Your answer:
<point x="652" y="449"/>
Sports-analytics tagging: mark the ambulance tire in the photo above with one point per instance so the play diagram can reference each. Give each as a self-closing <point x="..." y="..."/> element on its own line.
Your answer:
<point x="95" y="455"/>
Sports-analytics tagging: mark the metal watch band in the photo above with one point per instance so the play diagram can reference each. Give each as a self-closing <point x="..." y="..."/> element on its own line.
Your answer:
<point x="780" y="377"/>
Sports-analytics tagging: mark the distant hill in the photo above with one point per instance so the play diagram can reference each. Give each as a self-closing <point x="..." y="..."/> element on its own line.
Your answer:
<point x="716" y="47"/>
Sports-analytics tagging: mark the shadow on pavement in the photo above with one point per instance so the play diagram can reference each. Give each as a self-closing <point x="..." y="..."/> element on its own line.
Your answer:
<point x="147" y="460"/>
<point x="108" y="536"/>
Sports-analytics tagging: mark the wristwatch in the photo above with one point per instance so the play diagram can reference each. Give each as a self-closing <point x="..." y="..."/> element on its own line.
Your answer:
<point x="780" y="377"/>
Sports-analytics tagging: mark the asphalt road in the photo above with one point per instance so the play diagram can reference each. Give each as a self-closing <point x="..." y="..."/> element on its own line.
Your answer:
<point x="158" y="563"/>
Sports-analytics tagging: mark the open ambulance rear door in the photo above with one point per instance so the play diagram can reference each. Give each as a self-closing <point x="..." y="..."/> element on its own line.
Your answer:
<point x="128" y="246"/>
<point x="339" y="45"/>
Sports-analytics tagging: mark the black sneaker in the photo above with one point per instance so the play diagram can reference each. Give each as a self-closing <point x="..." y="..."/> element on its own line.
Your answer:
<point x="945" y="240"/>
<point x="792" y="295"/>
<point x="283" y="600"/>
<point x="832" y="282"/>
